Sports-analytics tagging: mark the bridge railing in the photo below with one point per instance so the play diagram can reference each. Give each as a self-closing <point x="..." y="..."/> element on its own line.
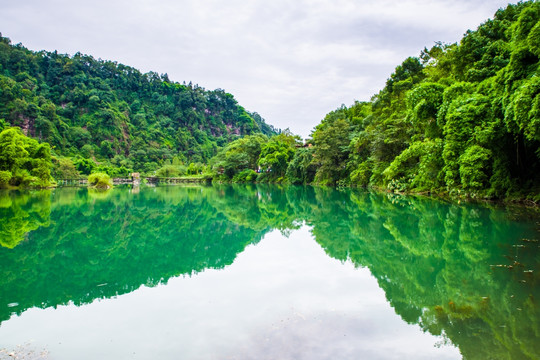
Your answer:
<point x="130" y="180"/>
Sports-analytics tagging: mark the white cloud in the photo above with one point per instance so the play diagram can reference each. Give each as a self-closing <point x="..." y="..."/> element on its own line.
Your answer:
<point x="291" y="61"/>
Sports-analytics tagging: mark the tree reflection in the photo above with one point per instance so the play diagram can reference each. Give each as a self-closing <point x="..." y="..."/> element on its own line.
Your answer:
<point x="467" y="272"/>
<point x="103" y="247"/>
<point x="20" y="213"/>
<point x="461" y="271"/>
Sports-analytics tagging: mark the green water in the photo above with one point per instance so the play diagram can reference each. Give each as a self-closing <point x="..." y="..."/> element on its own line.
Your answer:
<point x="265" y="272"/>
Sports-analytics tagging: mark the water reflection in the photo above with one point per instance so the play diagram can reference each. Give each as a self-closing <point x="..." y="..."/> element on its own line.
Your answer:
<point x="465" y="271"/>
<point x="20" y="213"/>
<point x="469" y="272"/>
<point x="110" y="244"/>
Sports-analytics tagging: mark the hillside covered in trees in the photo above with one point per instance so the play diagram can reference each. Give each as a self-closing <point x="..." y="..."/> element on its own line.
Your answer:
<point x="461" y="118"/>
<point x="113" y="114"/>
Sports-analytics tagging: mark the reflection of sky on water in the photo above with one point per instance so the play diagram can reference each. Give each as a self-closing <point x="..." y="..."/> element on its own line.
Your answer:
<point x="283" y="298"/>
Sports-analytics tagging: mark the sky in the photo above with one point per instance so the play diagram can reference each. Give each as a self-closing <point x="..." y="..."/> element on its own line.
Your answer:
<point x="291" y="61"/>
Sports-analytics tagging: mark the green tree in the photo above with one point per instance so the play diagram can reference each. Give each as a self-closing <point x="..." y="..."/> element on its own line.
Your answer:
<point x="92" y="107"/>
<point x="301" y="169"/>
<point x="239" y="155"/>
<point x="28" y="161"/>
<point x="100" y="181"/>
<point x="331" y="140"/>
<point x="169" y="171"/>
<point x="275" y="157"/>
<point x="64" y="168"/>
<point x="462" y="117"/>
<point x="5" y="177"/>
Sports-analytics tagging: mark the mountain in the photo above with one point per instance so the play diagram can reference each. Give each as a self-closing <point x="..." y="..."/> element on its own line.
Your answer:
<point x="111" y="112"/>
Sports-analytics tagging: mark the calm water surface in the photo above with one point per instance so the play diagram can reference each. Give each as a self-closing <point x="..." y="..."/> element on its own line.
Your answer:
<point x="264" y="272"/>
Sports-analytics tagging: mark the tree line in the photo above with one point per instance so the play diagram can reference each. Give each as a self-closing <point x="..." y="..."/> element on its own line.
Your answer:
<point x="459" y="119"/>
<point x="102" y="116"/>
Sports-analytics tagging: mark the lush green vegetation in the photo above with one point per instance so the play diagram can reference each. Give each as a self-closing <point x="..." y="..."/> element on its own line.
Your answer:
<point x="24" y="161"/>
<point x="101" y="116"/>
<point x="256" y="158"/>
<point x="100" y="181"/>
<point x="461" y="119"/>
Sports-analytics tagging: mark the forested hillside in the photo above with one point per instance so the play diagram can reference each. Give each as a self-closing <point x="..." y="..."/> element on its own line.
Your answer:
<point x="112" y="113"/>
<point x="463" y="118"/>
<point x="459" y="119"/>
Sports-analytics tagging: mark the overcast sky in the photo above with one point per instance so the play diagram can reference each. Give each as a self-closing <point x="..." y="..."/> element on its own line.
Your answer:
<point x="292" y="61"/>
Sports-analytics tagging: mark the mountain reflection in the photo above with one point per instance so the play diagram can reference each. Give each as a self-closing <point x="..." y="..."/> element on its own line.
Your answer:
<point x="112" y="244"/>
<point x="467" y="272"/>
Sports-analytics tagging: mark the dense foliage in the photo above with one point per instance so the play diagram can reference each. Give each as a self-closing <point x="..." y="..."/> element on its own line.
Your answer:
<point x="100" y="181"/>
<point x="463" y="118"/>
<point x="24" y="161"/>
<point x="112" y="115"/>
<point x="256" y="158"/>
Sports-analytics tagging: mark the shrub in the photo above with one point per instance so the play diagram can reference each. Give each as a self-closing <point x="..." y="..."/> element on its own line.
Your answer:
<point x="168" y="171"/>
<point x="64" y="168"/>
<point x="419" y="166"/>
<point x="100" y="181"/>
<point x="5" y="177"/>
<point x="246" y="175"/>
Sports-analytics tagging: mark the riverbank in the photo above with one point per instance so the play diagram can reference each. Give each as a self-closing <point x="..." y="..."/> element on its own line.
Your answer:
<point x="454" y="195"/>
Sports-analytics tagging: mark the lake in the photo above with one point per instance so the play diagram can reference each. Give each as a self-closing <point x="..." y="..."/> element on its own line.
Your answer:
<point x="265" y="272"/>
